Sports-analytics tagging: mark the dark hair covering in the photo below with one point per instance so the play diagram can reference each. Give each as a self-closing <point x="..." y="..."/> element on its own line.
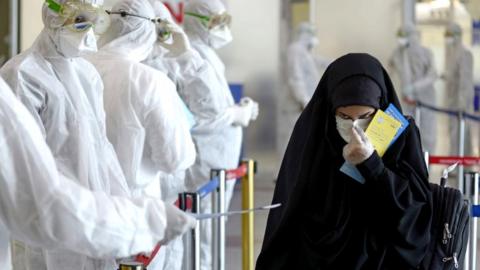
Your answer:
<point x="328" y="220"/>
<point x="356" y="90"/>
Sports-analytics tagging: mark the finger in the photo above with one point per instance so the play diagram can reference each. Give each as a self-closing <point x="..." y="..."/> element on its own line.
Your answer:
<point x="361" y="133"/>
<point x="174" y="28"/>
<point x="346" y="152"/>
<point x="355" y="136"/>
<point x="254" y="115"/>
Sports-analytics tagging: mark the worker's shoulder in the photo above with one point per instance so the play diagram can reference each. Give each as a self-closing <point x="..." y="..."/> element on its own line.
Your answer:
<point x="150" y="74"/>
<point x="467" y="54"/>
<point x="28" y="60"/>
<point x="29" y="65"/>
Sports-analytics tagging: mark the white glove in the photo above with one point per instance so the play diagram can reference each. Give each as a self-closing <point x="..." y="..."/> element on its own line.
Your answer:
<point x="408" y="90"/>
<point x="246" y="101"/>
<point x="241" y="115"/>
<point x="359" y="148"/>
<point x="178" y="223"/>
<point x="180" y="43"/>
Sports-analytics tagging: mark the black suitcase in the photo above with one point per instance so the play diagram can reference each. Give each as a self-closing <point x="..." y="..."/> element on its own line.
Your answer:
<point x="449" y="229"/>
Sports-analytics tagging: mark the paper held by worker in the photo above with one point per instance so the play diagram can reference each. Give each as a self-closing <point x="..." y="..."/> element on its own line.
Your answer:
<point x="231" y="213"/>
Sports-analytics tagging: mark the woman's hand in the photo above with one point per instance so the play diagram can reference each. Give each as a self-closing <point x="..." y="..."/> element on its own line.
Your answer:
<point x="359" y="148"/>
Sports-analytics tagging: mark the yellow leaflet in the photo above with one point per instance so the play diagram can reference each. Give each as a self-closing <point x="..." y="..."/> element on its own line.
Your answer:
<point x="381" y="131"/>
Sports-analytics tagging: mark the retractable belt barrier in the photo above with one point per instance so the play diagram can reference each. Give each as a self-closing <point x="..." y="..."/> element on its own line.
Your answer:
<point x="246" y="172"/>
<point x="191" y="202"/>
<point x="446" y="160"/>
<point x="449" y="112"/>
<point x="476" y="211"/>
<point x="462" y="117"/>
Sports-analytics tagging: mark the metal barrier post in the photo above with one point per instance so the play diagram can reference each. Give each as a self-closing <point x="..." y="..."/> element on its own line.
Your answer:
<point x="461" y="149"/>
<point x="473" y="220"/>
<point x="474" y="229"/>
<point x="248" y="219"/>
<point x="467" y="192"/>
<point x="191" y="255"/>
<point x="426" y="156"/>
<point x="218" y="224"/>
<point x="472" y="193"/>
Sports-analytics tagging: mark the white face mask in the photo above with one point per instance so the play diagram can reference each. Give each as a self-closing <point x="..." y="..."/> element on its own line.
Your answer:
<point x="312" y="43"/>
<point x="74" y="44"/>
<point x="344" y="126"/>
<point x="402" y="41"/>
<point x="219" y="37"/>
<point x="449" y="41"/>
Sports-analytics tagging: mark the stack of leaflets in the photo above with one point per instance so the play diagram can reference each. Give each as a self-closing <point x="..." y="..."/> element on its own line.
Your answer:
<point x="382" y="132"/>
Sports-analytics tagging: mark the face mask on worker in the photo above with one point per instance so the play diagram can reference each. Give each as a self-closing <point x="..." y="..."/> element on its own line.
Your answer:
<point x="450" y="40"/>
<point x="344" y="126"/>
<point x="312" y="43"/>
<point x="219" y="37"/>
<point x="402" y="41"/>
<point x="74" y="44"/>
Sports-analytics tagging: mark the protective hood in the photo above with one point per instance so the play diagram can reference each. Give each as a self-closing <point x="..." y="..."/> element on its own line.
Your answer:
<point x="130" y="36"/>
<point x="305" y="35"/>
<point x="67" y="44"/>
<point x="161" y="11"/>
<point x="410" y="34"/>
<point x="453" y="34"/>
<point x="52" y="20"/>
<point x="197" y="31"/>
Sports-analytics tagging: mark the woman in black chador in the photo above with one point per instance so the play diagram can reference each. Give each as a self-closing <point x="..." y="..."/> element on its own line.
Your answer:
<point x="328" y="220"/>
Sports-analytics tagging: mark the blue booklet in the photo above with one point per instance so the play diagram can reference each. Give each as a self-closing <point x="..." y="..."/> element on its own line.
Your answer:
<point x="395" y="113"/>
<point x="351" y="170"/>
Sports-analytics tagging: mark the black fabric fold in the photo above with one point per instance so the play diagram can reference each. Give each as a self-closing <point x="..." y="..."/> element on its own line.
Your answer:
<point x="328" y="220"/>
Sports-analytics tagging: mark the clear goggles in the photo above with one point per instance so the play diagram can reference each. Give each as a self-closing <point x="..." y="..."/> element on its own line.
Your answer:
<point x="219" y="20"/>
<point x="162" y="27"/>
<point x="79" y="16"/>
<point x="402" y="34"/>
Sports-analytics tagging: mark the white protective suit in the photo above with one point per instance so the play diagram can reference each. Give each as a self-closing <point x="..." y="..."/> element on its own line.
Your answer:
<point x="64" y="95"/>
<point x="145" y="120"/>
<point x="184" y="67"/>
<point x="304" y="71"/>
<point x="41" y="207"/>
<point x="217" y="136"/>
<point x="459" y="85"/>
<point x="415" y="68"/>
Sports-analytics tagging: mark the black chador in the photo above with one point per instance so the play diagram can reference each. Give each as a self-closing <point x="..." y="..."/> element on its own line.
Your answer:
<point x="327" y="219"/>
